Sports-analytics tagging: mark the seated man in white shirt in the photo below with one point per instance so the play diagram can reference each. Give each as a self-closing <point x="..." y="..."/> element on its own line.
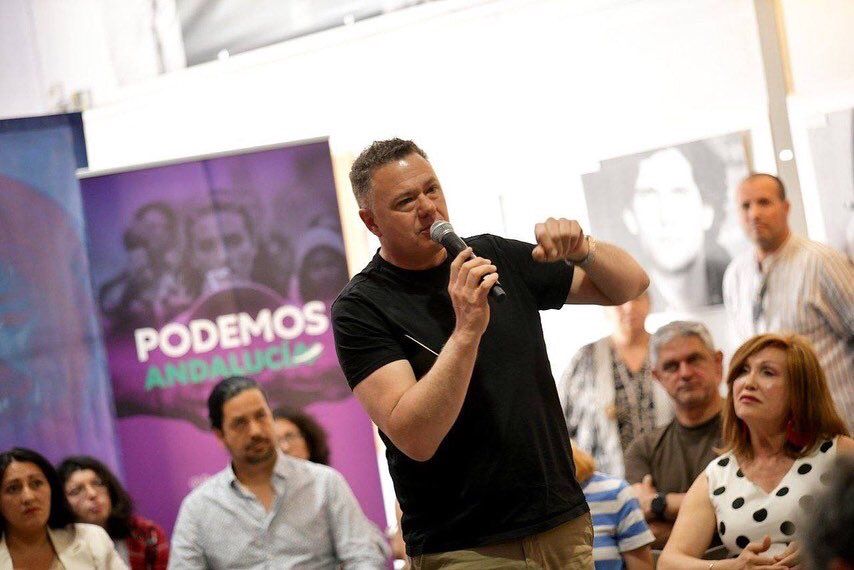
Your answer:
<point x="266" y="509"/>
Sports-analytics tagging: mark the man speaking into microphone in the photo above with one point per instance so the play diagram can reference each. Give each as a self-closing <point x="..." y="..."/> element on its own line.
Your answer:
<point x="461" y="388"/>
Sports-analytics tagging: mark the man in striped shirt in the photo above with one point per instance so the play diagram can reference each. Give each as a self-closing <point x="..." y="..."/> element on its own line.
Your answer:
<point x="789" y="283"/>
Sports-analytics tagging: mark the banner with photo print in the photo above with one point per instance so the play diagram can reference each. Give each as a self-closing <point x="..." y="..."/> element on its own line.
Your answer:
<point x="212" y="268"/>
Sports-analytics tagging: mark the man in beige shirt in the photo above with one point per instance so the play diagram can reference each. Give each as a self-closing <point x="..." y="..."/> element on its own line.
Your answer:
<point x="789" y="283"/>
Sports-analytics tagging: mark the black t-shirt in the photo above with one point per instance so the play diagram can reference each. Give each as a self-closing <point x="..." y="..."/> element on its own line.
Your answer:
<point x="504" y="470"/>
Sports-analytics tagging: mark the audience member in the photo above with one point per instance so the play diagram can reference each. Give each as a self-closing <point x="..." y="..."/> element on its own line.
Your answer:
<point x="621" y="537"/>
<point x="663" y="463"/>
<point x="266" y="508"/>
<point x="299" y="435"/>
<point x="829" y="538"/>
<point x="781" y="434"/>
<point x="608" y="394"/>
<point x="96" y="497"/>
<point x="321" y="264"/>
<point x="36" y="524"/>
<point x="789" y="283"/>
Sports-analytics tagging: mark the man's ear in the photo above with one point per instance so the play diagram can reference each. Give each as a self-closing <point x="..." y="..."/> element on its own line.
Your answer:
<point x="219" y="435"/>
<point x="631" y="221"/>
<point x="719" y="362"/>
<point x="368" y="219"/>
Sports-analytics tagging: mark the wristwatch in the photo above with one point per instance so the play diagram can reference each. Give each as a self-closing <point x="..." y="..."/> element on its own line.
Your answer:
<point x="658" y="506"/>
<point x="591" y="252"/>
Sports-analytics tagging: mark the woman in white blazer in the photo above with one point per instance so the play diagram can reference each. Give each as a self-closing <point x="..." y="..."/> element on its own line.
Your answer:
<point x="36" y="528"/>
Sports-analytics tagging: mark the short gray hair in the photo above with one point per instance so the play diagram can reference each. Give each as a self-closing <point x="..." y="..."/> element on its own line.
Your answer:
<point x="375" y="157"/>
<point x="678" y="329"/>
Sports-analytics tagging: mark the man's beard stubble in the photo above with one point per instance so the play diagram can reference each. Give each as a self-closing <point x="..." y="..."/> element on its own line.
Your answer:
<point x="254" y="457"/>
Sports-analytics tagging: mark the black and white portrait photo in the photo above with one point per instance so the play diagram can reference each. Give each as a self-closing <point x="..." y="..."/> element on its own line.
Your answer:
<point x="671" y="207"/>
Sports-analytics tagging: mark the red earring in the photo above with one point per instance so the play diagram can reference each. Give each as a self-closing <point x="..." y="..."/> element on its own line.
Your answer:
<point x="796" y="439"/>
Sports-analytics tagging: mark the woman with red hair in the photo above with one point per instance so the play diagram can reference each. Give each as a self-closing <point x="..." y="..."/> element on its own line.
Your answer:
<point x="781" y="434"/>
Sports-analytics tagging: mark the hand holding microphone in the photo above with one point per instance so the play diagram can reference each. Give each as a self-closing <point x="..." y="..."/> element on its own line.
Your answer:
<point x="442" y="232"/>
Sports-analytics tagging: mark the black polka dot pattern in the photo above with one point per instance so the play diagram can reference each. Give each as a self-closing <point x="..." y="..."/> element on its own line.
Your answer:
<point x="826" y="445"/>
<point x="742" y="541"/>
<point x="804" y="469"/>
<point x="825" y="478"/>
<point x="806" y="502"/>
<point x="723" y="462"/>
<point x="722" y="528"/>
<point x="719" y="491"/>
<point x="738" y="503"/>
<point x="760" y="515"/>
<point x="787" y="528"/>
<point x="782" y="492"/>
<point x="739" y="473"/>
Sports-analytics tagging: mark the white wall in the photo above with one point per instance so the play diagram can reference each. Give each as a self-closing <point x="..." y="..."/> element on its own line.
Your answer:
<point x="821" y="59"/>
<point x="513" y="101"/>
<point x="58" y="55"/>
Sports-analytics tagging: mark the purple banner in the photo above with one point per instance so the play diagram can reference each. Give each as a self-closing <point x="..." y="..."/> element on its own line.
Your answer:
<point x="212" y="268"/>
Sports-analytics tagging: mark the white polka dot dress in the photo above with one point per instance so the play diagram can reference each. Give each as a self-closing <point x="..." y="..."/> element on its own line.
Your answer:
<point x="745" y="513"/>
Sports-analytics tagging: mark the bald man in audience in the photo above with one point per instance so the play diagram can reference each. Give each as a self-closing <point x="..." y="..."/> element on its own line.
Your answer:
<point x="662" y="464"/>
<point x="790" y="283"/>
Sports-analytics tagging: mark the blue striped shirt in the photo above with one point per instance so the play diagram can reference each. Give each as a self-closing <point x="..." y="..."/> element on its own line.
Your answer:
<point x="618" y="523"/>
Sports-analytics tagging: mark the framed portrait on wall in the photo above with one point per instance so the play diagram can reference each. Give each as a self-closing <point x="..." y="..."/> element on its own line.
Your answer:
<point x="673" y="209"/>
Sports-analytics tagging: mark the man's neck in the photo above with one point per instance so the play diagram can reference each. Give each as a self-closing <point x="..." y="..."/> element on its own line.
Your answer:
<point x="251" y="474"/>
<point x="698" y="415"/>
<point x="428" y="261"/>
<point x="762" y="252"/>
<point x="630" y="339"/>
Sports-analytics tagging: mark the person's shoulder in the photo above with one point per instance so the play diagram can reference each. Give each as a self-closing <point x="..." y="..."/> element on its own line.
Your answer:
<point x="722" y="467"/>
<point x="288" y="465"/>
<point x="490" y="242"/>
<point x="357" y="283"/>
<point x="210" y="488"/>
<point x="652" y="439"/>
<point x="741" y="262"/>
<point x="603" y="487"/>
<point x="88" y="531"/>
<point x="323" y="477"/>
<point x="818" y="251"/>
<point x="142" y="525"/>
<point x="75" y="536"/>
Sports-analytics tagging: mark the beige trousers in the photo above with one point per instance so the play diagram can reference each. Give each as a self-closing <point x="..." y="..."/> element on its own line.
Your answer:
<point x="565" y="547"/>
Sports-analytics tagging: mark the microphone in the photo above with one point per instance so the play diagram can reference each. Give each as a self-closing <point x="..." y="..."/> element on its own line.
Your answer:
<point x="442" y="232"/>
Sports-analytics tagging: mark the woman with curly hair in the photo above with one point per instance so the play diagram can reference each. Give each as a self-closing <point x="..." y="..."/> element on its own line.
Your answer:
<point x="37" y="528"/>
<point x="96" y="497"/>
<point x="301" y="436"/>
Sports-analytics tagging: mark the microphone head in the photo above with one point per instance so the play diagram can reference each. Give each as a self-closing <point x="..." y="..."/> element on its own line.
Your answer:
<point x="439" y="229"/>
